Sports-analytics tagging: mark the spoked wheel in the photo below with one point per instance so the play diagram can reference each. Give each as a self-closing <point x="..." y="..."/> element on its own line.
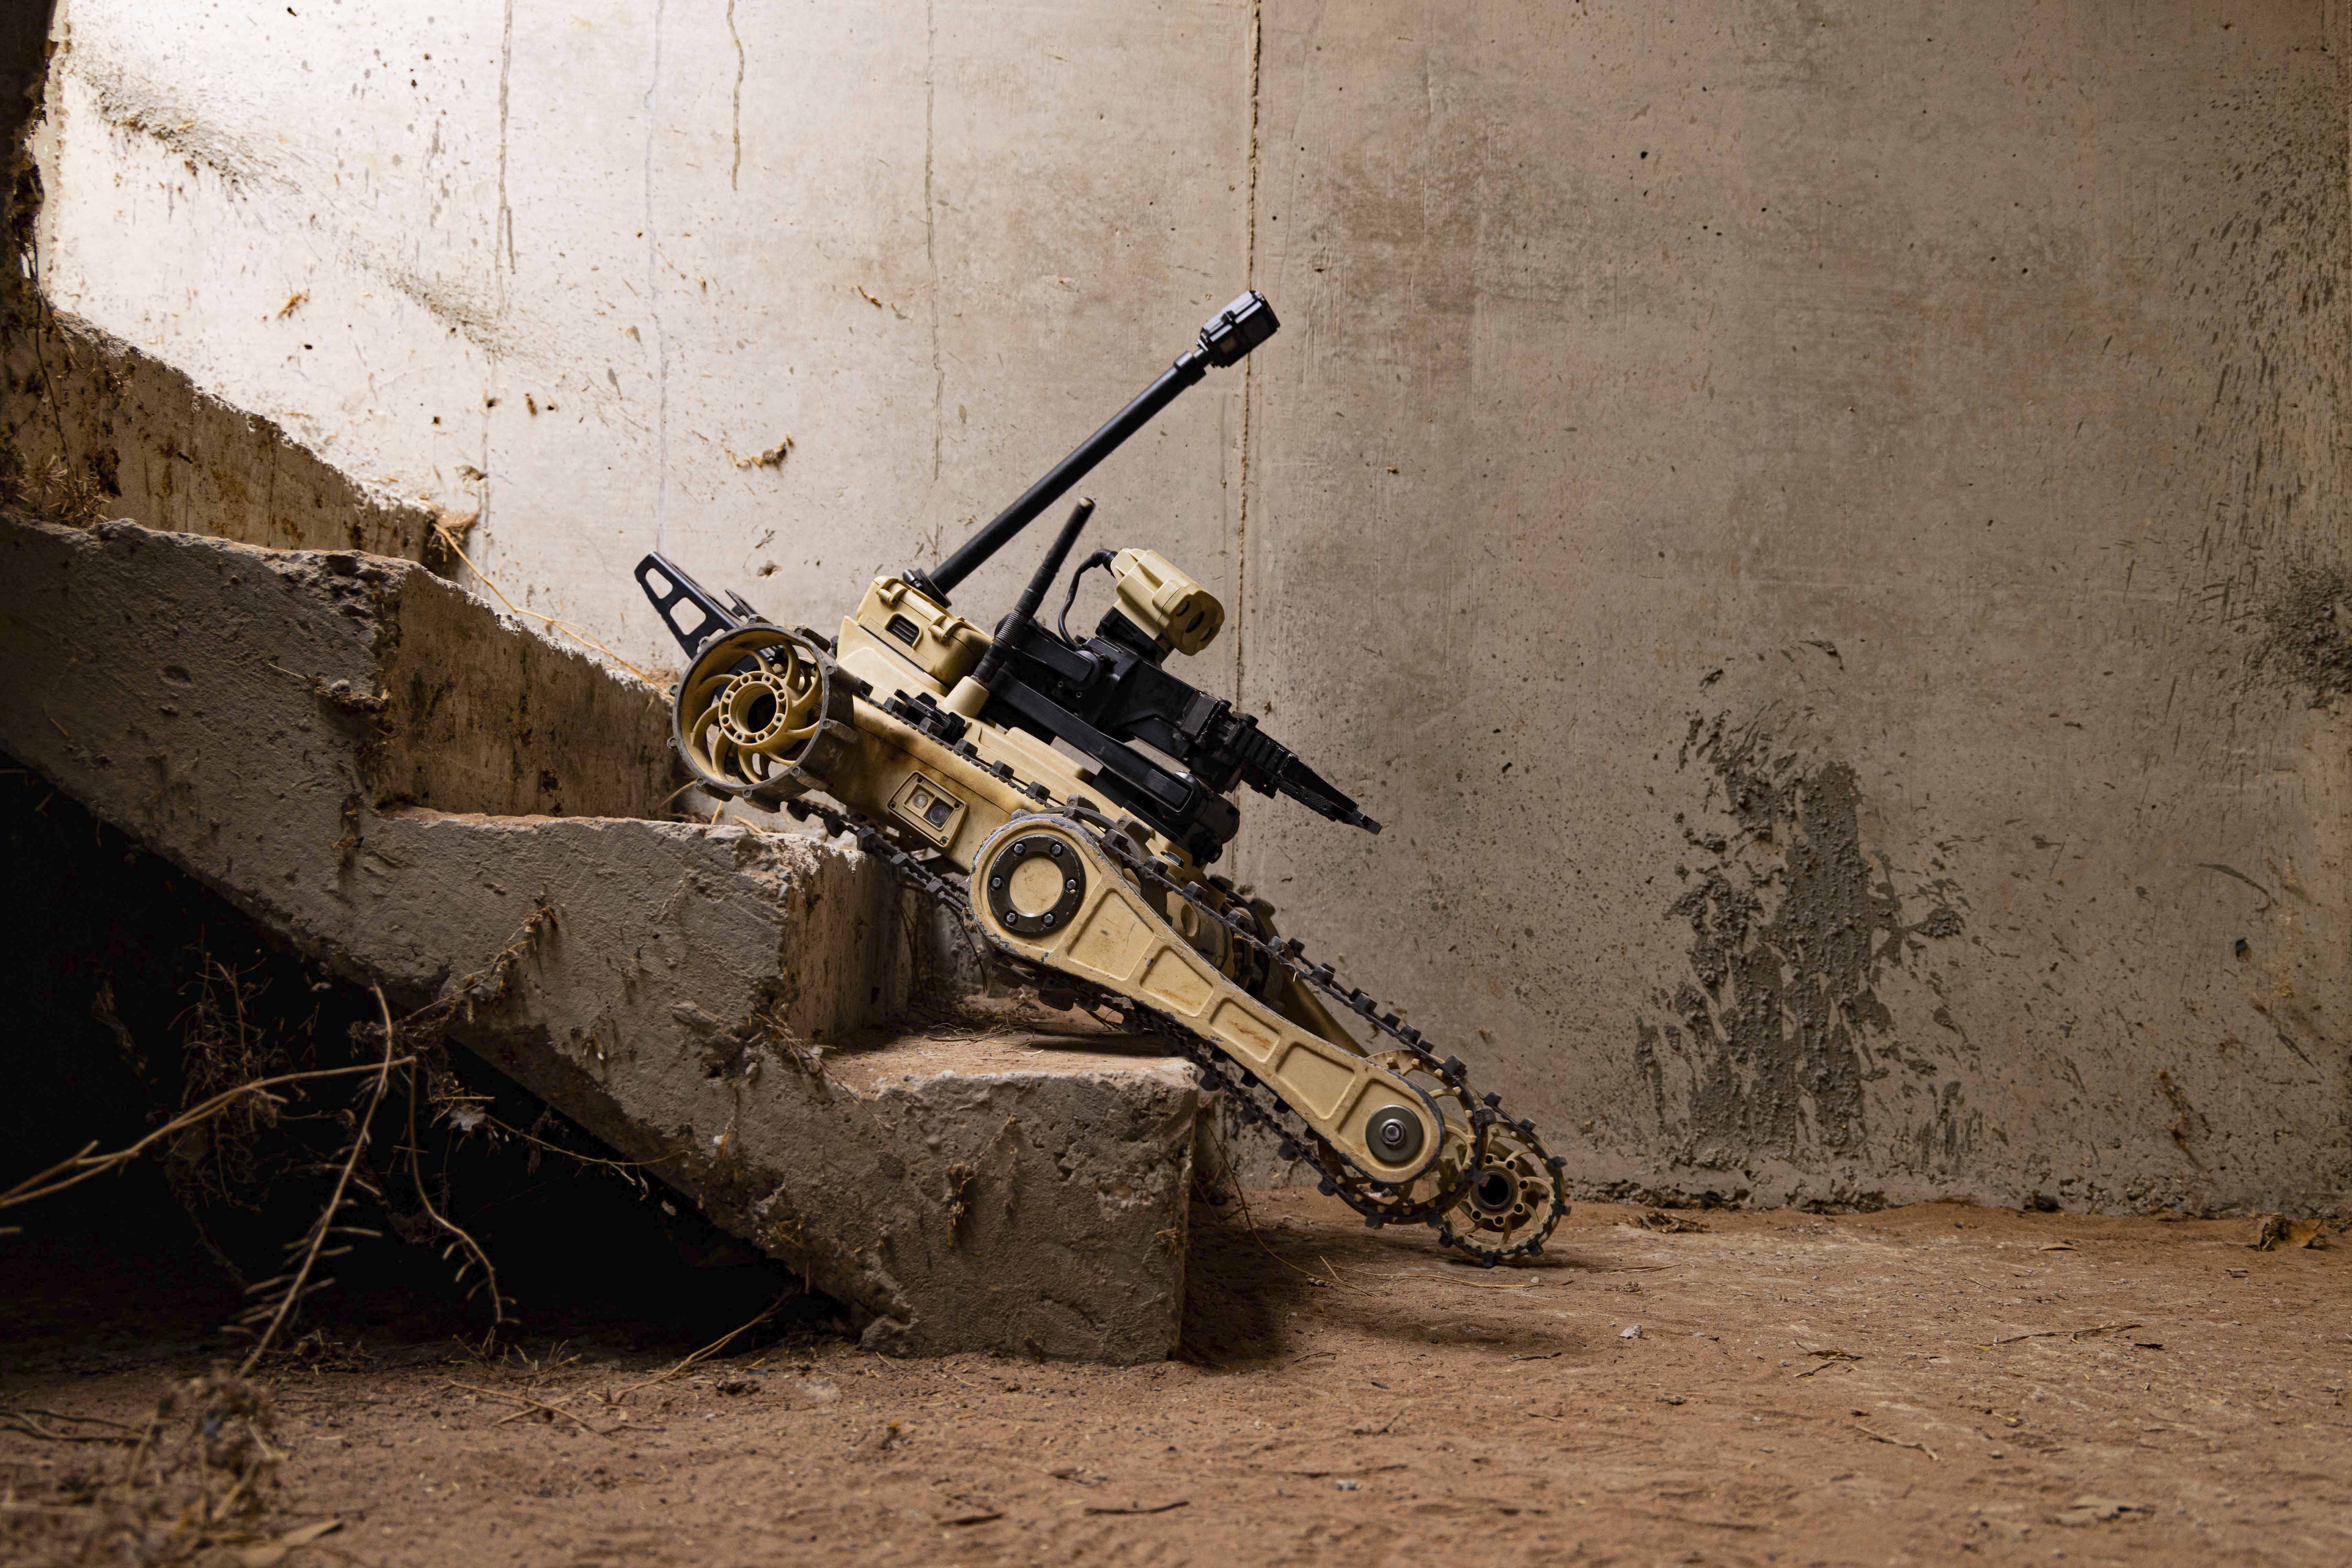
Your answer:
<point x="1515" y="1197"/>
<point x="756" y="714"/>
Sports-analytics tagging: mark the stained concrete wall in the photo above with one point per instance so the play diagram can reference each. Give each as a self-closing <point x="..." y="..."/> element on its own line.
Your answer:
<point x="1819" y="480"/>
<point x="1820" y="528"/>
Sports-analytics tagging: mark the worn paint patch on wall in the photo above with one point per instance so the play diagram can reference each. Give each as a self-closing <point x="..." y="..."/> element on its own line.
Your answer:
<point x="1767" y="1049"/>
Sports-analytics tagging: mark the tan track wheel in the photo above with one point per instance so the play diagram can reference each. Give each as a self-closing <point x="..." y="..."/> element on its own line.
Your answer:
<point x="761" y="712"/>
<point x="1514" y="1199"/>
<point x="1437" y="1188"/>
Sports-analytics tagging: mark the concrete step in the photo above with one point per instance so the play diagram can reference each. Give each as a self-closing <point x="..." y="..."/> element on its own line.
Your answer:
<point x="421" y="794"/>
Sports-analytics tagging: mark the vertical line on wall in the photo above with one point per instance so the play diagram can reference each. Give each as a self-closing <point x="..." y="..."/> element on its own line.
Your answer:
<point x="504" y="242"/>
<point x="930" y="234"/>
<point x="502" y="266"/>
<point x="735" y="115"/>
<point x="1249" y="372"/>
<point x="653" y="299"/>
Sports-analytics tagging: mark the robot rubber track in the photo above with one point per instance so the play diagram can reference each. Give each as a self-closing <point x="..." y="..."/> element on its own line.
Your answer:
<point x="1457" y="1211"/>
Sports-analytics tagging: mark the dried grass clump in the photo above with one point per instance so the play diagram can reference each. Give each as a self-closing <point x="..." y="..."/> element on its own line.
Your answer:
<point x="199" y="1483"/>
<point x="52" y="491"/>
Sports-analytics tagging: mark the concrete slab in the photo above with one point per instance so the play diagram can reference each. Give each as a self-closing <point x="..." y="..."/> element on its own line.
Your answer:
<point x="371" y="763"/>
<point x="1086" y="1141"/>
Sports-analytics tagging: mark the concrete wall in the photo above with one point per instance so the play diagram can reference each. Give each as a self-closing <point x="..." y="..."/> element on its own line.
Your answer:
<point x="1819" y="526"/>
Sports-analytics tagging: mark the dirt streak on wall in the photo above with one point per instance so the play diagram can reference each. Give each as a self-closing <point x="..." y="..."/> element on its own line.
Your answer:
<point x="1768" y="1048"/>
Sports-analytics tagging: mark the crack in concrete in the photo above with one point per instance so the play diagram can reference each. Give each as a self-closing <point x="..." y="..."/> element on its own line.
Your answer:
<point x="501" y="245"/>
<point x="736" y="105"/>
<point x="930" y="234"/>
<point x="505" y="239"/>
<point x="1249" y="278"/>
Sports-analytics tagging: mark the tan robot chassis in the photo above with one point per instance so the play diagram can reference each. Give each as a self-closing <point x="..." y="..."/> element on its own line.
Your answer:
<point x="1066" y="796"/>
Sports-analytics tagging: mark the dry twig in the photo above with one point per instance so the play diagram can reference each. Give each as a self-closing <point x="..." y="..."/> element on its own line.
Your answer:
<point x="80" y="1167"/>
<point x="63" y="1416"/>
<point x="1895" y="1442"/>
<point x="21" y="1419"/>
<point x="1457" y="1280"/>
<point x="298" y="1283"/>
<point x="529" y="1406"/>
<point x="708" y="1351"/>
<point x="194" y="1488"/>
<point x="475" y="1256"/>
<point x="448" y="537"/>
<point x="282" y="1295"/>
<point x="627" y="1167"/>
<point x="1250" y="1220"/>
<point x="2067" y="1334"/>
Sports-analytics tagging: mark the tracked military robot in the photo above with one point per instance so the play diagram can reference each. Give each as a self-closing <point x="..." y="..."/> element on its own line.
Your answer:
<point x="1065" y="796"/>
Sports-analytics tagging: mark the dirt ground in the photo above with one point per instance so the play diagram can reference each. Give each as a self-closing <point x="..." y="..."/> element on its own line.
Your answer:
<point x="1929" y="1385"/>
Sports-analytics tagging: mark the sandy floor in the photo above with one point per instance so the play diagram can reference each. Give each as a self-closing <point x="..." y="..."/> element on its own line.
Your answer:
<point x="1930" y="1384"/>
